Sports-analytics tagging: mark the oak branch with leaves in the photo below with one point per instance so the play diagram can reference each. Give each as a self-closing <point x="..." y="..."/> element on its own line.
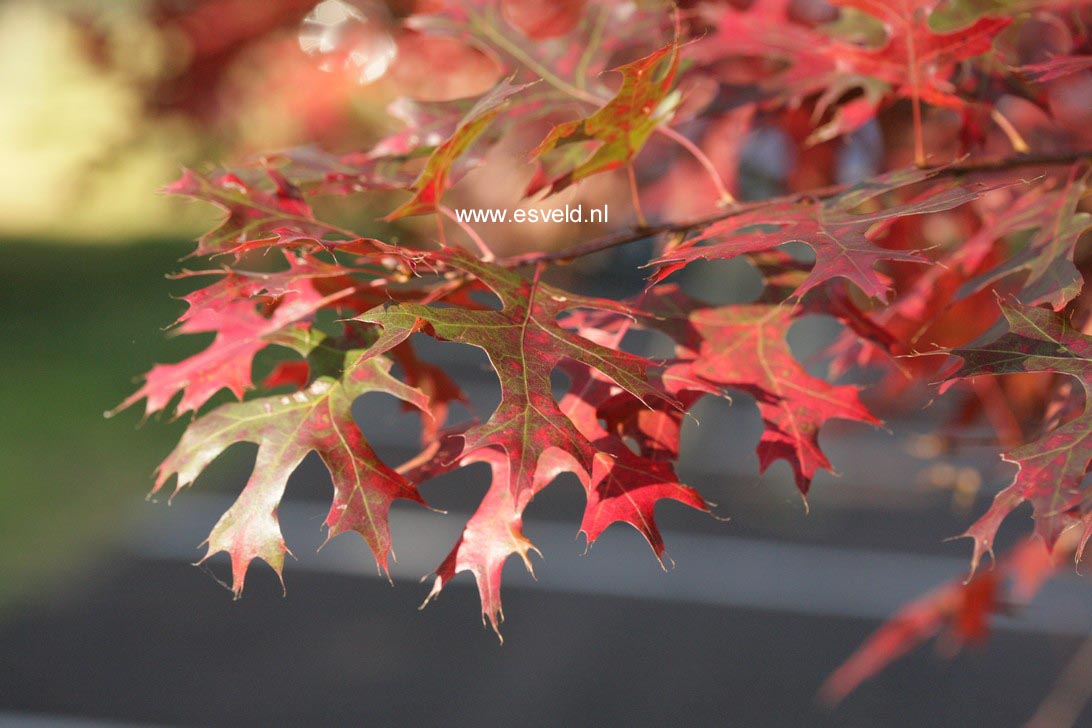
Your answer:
<point x="949" y="250"/>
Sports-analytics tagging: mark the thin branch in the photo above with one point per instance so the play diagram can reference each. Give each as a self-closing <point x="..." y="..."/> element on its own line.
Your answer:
<point x="600" y="22"/>
<point x="643" y="232"/>
<point x="726" y="197"/>
<point x="498" y="39"/>
<point x="1014" y="162"/>
<point x="915" y="98"/>
<point x="440" y="229"/>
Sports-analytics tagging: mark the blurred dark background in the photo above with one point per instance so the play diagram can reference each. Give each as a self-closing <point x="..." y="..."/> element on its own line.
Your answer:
<point x="104" y="621"/>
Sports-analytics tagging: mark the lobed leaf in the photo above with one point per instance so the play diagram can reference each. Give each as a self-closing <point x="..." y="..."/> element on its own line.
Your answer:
<point x="434" y="179"/>
<point x="253" y="213"/>
<point x="1051" y="469"/>
<point x="843" y="239"/>
<point x="286" y="428"/>
<point x="623" y="125"/>
<point x="244" y="311"/>
<point x="524" y="343"/>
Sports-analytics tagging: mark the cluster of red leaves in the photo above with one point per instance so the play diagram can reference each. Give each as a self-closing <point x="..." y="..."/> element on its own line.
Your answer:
<point x="910" y="261"/>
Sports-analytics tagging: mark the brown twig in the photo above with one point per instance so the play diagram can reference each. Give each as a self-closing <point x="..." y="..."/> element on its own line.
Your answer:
<point x="633" y="235"/>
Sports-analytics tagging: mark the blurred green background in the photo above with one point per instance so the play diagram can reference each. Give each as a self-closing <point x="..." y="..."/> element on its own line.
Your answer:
<point x="73" y="321"/>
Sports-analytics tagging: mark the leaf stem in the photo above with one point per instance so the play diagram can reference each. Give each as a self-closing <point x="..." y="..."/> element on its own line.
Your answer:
<point x="594" y="40"/>
<point x="494" y="36"/>
<point x="726" y="197"/>
<point x="440" y="229"/>
<point x="635" y="196"/>
<point x="1017" y="141"/>
<point x="915" y="97"/>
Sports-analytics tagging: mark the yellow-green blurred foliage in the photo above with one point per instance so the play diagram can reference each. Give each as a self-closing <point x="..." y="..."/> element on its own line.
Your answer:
<point x="82" y="162"/>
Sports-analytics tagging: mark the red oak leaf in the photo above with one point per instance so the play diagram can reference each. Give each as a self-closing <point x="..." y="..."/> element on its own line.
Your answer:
<point x="917" y="61"/>
<point x="253" y="213"/>
<point x="623" y="124"/>
<point x="434" y="179"/>
<point x="623" y="487"/>
<point x="928" y="310"/>
<point x="288" y="373"/>
<point x="1046" y="260"/>
<point x="492" y="534"/>
<point x="286" y="428"/>
<point x="318" y="172"/>
<point x="794" y="59"/>
<point x="767" y="30"/>
<point x="794" y="405"/>
<point x="524" y="343"/>
<point x="1050" y="470"/>
<point x="654" y="427"/>
<point x="844" y="241"/>
<point x="244" y="311"/>
<point x="740" y="347"/>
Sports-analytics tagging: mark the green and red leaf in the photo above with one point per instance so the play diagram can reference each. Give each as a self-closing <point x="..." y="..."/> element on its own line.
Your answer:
<point x="1050" y="470"/>
<point x="843" y="238"/>
<point x="623" y="125"/>
<point x="434" y="180"/>
<point x="317" y="418"/>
